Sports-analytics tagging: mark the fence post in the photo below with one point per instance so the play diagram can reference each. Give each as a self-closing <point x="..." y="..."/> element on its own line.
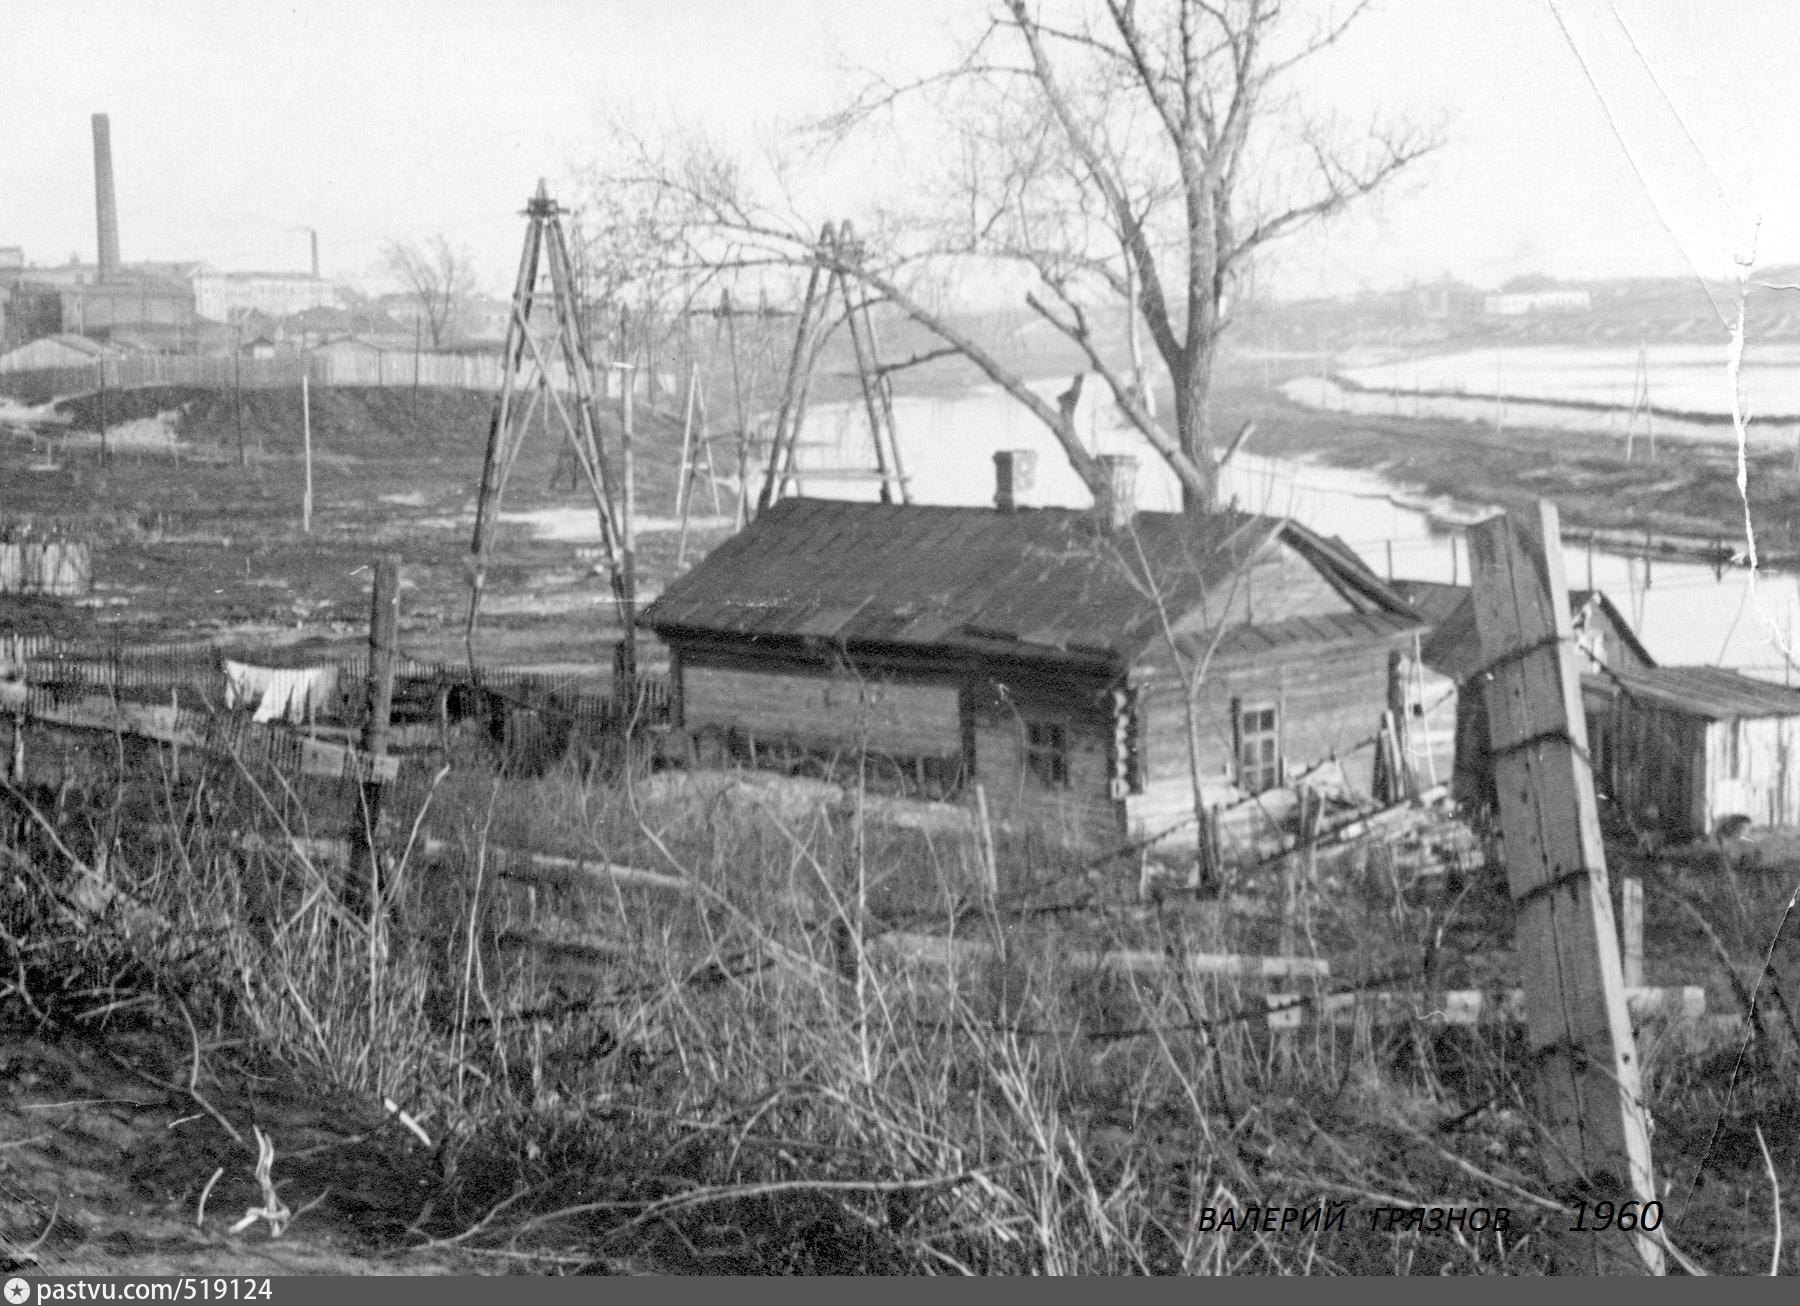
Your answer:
<point x="384" y="622"/>
<point x="1587" y="1090"/>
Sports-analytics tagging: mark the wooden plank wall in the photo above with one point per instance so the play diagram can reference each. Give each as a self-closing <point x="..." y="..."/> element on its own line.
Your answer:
<point x="786" y="702"/>
<point x="1082" y="813"/>
<point x="1331" y="703"/>
<point x="1280" y="584"/>
<point x="1767" y="786"/>
<point x="1659" y="767"/>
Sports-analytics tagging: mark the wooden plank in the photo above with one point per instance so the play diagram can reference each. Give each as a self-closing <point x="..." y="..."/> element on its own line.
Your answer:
<point x="898" y="718"/>
<point x="1464" y="1007"/>
<point x="328" y="761"/>
<point x="1588" y="1084"/>
<point x="944" y="950"/>
<point x="1631" y="902"/>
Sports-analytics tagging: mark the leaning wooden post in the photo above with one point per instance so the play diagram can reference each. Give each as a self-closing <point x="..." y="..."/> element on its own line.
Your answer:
<point x="1588" y="1092"/>
<point x="384" y="624"/>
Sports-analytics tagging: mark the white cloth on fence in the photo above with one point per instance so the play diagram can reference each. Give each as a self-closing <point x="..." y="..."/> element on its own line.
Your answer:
<point x="294" y="694"/>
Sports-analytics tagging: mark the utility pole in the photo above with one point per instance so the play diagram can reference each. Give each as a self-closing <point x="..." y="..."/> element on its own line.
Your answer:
<point x="237" y="394"/>
<point x="103" y="449"/>
<point x="626" y="691"/>
<point x="306" y="497"/>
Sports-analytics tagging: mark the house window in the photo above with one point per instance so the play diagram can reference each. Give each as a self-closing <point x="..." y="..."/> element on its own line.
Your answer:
<point x="1259" y="747"/>
<point x="1047" y="752"/>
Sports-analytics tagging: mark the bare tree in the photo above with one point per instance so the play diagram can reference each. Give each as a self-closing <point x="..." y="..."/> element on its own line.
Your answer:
<point x="1129" y="160"/>
<point x="438" y="276"/>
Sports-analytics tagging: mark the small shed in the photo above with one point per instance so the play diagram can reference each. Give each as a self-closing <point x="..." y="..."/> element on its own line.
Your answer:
<point x="1452" y="653"/>
<point x="259" y="347"/>
<point x="1046" y="653"/>
<point x="52" y="352"/>
<point x="1692" y="747"/>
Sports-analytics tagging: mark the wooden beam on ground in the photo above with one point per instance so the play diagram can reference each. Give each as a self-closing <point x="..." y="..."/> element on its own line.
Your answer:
<point x="1588" y="1090"/>
<point x="1463" y="1007"/>
<point x="944" y="950"/>
<point x="327" y="761"/>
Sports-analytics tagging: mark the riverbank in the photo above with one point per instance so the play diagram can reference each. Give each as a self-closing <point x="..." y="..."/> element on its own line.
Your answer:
<point x="1685" y="503"/>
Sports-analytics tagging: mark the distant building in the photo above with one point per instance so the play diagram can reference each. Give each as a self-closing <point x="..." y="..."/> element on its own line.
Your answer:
<point x="260" y="347"/>
<point x="153" y="299"/>
<point x="1446" y="299"/>
<point x="132" y="302"/>
<point x="12" y="257"/>
<point x="1526" y="302"/>
<point x="223" y="296"/>
<point x="57" y="351"/>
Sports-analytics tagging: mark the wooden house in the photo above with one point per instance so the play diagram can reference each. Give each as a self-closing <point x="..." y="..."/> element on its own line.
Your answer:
<point x="1045" y="653"/>
<point x="1689" y="748"/>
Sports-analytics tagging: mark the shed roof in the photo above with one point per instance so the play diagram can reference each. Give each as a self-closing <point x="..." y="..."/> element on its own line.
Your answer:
<point x="68" y="340"/>
<point x="1432" y="599"/>
<point x="1454" y="648"/>
<point x="1042" y="581"/>
<point x="1710" y="693"/>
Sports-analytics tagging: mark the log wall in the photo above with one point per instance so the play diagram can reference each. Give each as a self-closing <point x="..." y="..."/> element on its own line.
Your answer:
<point x="786" y="702"/>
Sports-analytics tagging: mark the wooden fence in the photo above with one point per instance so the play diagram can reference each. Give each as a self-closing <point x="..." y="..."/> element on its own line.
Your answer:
<point x="36" y="565"/>
<point x="371" y="368"/>
<point x="48" y="673"/>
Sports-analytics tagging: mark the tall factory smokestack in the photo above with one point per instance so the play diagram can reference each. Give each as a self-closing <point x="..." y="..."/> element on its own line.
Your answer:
<point x="315" y="252"/>
<point x="106" y="207"/>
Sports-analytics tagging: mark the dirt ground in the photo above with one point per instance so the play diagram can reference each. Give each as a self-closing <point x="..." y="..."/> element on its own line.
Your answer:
<point x="188" y="542"/>
<point x="105" y="1158"/>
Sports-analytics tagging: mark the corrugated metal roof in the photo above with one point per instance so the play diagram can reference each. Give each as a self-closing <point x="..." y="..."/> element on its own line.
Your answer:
<point x="1709" y="692"/>
<point x="1045" y="579"/>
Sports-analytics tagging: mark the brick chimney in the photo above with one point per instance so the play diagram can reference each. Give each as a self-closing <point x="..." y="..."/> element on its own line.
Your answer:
<point x="1116" y="503"/>
<point x="1013" y="475"/>
<point x="106" y="207"/>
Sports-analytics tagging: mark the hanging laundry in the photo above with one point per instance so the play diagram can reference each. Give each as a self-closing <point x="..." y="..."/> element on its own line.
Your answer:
<point x="292" y="694"/>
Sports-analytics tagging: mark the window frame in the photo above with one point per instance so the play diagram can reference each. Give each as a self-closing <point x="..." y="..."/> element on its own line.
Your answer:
<point x="1044" y="746"/>
<point x="1269" y="769"/>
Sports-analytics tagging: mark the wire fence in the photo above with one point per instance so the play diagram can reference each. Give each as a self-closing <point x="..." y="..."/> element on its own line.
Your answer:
<point x="184" y="693"/>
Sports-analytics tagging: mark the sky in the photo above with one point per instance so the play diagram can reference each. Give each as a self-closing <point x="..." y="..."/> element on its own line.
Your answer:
<point x="1583" y="138"/>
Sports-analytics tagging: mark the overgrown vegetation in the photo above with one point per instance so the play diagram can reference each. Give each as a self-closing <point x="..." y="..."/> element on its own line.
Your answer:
<point x="747" y="1077"/>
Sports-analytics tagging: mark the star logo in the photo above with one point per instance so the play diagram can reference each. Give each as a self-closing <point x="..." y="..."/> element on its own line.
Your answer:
<point x="18" y="1292"/>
